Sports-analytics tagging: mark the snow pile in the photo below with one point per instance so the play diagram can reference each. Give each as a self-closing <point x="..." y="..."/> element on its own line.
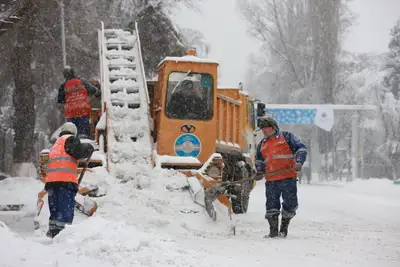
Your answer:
<point x="159" y="199"/>
<point x="17" y="252"/>
<point x="152" y="221"/>
<point x="98" y="177"/>
<point x="135" y="221"/>
<point x="119" y="244"/>
<point x="96" y="237"/>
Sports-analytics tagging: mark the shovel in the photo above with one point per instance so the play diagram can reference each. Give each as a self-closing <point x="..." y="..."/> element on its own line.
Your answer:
<point x="39" y="206"/>
<point x="84" y="203"/>
<point x="12" y="207"/>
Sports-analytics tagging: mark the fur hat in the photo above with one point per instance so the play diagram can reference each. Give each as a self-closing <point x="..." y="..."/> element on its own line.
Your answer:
<point x="268" y="121"/>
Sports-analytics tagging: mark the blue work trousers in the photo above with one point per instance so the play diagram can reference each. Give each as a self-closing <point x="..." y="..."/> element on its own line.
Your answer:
<point x="61" y="206"/>
<point x="287" y="188"/>
<point x="82" y="124"/>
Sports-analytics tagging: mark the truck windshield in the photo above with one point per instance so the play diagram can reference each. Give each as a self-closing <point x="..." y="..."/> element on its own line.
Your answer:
<point x="190" y="96"/>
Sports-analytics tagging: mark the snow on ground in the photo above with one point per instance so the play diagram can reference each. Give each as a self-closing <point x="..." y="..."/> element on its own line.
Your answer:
<point x="151" y="221"/>
<point x="17" y="191"/>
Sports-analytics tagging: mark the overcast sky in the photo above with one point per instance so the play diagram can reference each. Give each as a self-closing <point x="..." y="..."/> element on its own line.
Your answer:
<point x="222" y="25"/>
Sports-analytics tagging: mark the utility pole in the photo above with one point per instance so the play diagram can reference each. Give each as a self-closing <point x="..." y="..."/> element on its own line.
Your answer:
<point x="64" y="53"/>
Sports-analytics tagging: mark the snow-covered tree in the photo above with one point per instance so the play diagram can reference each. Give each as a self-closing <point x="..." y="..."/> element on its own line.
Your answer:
<point x="387" y="92"/>
<point x="298" y="59"/>
<point x="159" y="37"/>
<point x="300" y="44"/>
<point x="394" y="44"/>
<point x="32" y="56"/>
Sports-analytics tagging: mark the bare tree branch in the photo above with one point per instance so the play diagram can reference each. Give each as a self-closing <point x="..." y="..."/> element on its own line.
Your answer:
<point x="278" y="24"/>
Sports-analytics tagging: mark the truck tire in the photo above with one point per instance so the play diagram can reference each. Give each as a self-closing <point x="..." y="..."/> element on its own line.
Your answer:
<point x="242" y="193"/>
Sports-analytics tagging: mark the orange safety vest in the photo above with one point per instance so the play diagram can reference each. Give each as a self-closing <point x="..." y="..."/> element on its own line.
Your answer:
<point x="61" y="166"/>
<point x="77" y="103"/>
<point x="278" y="159"/>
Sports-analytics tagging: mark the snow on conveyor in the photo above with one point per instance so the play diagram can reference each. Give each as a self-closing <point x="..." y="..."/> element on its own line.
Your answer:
<point x="151" y="222"/>
<point x="126" y="97"/>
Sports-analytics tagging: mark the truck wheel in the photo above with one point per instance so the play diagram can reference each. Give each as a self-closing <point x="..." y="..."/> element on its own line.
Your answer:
<point x="241" y="202"/>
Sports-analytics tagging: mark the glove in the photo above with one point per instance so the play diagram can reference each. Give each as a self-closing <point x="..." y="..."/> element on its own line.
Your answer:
<point x="97" y="94"/>
<point x="83" y="164"/>
<point x="260" y="166"/>
<point x="298" y="167"/>
<point x="89" y="148"/>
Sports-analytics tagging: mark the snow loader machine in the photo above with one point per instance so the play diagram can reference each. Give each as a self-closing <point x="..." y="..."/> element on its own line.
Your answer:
<point x="179" y="120"/>
<point x="203" y="131"/>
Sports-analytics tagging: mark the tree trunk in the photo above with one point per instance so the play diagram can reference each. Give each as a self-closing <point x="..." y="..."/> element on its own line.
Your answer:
<point x="325" y="21"/>
<point x="23" y="95"/>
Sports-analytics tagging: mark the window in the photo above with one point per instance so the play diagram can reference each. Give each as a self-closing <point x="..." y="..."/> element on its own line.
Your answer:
<point x="190" y="96"/>
<point x="252" y="115"/>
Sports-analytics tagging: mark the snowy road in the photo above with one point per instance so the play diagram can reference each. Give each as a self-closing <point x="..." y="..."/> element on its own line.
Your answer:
<point x="355" y="224"/>
<point x="345" y="226"/>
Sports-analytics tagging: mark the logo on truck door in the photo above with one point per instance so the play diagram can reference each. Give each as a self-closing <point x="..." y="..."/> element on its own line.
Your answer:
<point x="187" y="145"/>
<point x="188" y="128"/>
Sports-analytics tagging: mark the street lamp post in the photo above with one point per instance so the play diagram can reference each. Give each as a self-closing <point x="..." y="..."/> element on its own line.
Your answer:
<point x="64" y="54"/>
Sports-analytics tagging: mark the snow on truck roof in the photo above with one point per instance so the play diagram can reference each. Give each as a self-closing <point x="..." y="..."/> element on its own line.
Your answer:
<point x="228" y="87"/>
<point x="241" y="91"/>
<point x="189" y="58"/>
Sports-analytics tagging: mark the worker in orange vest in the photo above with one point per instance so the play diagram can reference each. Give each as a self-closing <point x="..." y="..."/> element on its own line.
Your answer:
<point x="61" y="181"/>
<point x="75" y="95"/>
<point x="280" y="155"/>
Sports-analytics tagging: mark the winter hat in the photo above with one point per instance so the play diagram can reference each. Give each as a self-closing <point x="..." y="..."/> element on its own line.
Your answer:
<point x="268" y="121"/>
<point x="68" y="73"/>
<point x="69" y="127"/>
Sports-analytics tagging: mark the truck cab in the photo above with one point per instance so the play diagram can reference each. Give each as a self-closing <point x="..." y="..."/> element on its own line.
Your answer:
<point x="183" y="107"/>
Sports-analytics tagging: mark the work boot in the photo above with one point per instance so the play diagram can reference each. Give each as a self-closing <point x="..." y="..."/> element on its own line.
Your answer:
<point x="273" y="226"/>
<point x="284" y="227"/>
<point x="50" y="234"/>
